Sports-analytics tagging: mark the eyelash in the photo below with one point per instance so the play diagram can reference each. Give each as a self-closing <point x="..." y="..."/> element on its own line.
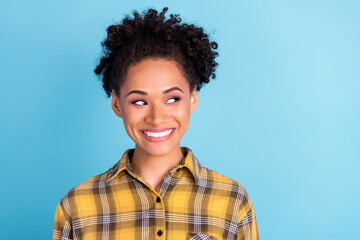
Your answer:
<point x="134" y="102"/>
<point x="175" y="98"/>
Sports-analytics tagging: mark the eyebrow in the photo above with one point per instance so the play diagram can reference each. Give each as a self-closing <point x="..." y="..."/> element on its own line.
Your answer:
<point x="144" y="93"/>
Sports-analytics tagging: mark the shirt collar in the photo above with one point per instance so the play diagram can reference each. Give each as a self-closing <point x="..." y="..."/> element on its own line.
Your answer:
<point x="189" y="161"/>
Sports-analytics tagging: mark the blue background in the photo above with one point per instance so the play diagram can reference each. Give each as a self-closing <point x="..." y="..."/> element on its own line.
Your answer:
<point x="282" y="117"/>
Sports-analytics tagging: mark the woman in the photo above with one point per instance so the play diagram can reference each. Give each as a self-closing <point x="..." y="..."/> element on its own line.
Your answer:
<point x="153" y="67"/>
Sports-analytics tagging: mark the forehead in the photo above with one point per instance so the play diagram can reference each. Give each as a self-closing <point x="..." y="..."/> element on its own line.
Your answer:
<point x="154" y="75"/>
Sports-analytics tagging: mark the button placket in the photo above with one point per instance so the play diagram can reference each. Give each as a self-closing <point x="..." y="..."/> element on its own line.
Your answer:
<point x="160" y="218"/>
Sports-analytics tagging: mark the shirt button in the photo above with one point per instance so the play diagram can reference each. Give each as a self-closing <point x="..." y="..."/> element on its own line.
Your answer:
<point x="159" y="233"/>
<point x="158" y="199"/>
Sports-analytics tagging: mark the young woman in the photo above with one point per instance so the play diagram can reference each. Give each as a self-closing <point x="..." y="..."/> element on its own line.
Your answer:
<point x="153" y="67"/>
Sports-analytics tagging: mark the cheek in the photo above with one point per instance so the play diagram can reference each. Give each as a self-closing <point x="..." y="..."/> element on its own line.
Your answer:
<point x="183" y="114"/>
<point x="131" y="118"/>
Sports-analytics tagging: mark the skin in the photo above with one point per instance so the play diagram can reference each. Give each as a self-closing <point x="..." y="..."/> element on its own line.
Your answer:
<point x="153" y="110"/>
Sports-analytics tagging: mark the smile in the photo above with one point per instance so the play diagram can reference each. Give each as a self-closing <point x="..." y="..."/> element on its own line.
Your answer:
<point x="158" y="135"/>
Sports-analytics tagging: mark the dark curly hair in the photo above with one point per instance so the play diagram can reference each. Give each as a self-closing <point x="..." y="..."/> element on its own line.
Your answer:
<point x="151" y="35"/>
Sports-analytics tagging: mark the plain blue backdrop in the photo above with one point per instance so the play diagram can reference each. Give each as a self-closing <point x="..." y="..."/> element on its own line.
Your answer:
<point x="282" y="117"/>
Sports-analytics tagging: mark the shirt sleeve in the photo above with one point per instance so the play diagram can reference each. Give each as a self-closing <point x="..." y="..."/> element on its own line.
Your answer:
<point x="247" y="227"/>
<point x="62" y="224"/>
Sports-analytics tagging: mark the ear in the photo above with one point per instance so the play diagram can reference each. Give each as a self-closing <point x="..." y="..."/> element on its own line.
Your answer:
<point x="115" y="104"/>
<point x="193" y="101"/>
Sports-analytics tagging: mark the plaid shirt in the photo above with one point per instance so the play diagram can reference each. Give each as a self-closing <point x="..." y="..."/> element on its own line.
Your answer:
<point x="191" y="202"/>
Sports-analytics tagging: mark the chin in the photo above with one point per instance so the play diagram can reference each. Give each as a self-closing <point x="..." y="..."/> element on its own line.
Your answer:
<point x="157" y="150"/>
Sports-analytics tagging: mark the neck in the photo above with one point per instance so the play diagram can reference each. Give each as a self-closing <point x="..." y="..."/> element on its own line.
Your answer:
<point x="153" y="168"/>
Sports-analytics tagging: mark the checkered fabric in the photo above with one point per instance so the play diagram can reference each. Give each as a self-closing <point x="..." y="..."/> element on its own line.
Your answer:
<point x="191" y="202"/>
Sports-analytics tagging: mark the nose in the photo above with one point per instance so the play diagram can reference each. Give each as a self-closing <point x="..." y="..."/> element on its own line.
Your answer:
<point x="156" y="116"/>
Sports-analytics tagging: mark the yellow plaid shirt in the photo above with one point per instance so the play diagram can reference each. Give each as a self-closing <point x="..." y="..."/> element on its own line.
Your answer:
<point x="191" y="202"/>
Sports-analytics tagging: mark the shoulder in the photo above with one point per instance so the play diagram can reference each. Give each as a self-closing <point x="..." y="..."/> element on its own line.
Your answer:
<point x="221" y="182"/>
<point x="89" y="183"/>
<point x="83" y="190"/>
<point x="226" y="191"/>
<point x="214" y="176"/>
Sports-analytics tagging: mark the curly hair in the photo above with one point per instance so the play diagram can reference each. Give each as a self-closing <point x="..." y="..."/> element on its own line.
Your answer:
<point x="151" y="35"/>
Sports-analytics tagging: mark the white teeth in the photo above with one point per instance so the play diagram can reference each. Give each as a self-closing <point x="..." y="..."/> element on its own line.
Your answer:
<point x="158" y="134"/>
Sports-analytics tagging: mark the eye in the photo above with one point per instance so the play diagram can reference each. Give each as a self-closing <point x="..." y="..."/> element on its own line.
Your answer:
<point x="139" y="102"/>
<point x="173" y="99"/>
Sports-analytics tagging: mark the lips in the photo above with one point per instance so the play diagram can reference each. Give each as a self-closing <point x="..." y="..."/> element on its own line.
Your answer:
<point x="158" y="134"/>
